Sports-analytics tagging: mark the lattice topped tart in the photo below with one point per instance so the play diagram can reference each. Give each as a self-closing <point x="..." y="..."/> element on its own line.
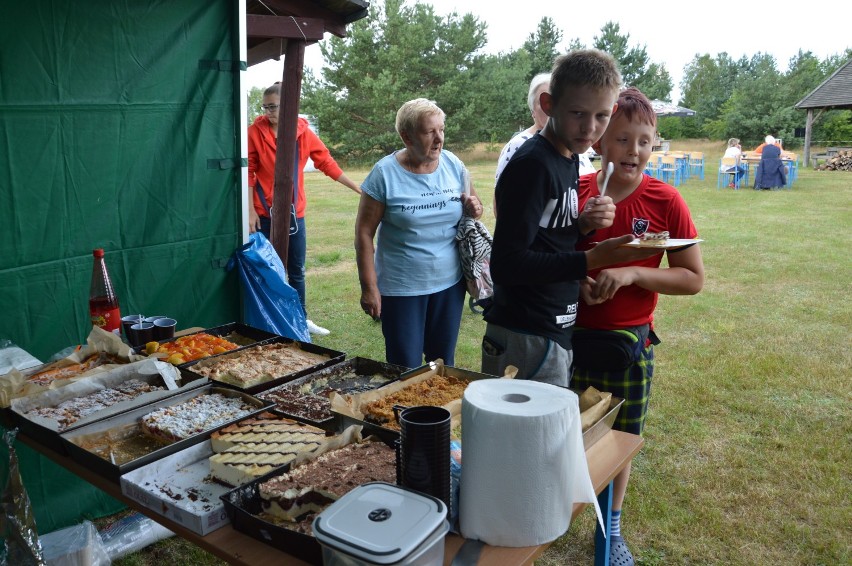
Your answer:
<point x="255" y="447"/>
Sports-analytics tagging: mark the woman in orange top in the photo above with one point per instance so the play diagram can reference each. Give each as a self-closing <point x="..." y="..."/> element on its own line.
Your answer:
<point x="262" y="144"/>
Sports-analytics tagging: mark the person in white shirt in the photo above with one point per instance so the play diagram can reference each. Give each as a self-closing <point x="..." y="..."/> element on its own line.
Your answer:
<point x="734" y="150"/>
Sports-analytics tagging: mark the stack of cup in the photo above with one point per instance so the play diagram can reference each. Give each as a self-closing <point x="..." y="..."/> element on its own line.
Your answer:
<point x="423" y="451"/>
<point x="139" y="329"/>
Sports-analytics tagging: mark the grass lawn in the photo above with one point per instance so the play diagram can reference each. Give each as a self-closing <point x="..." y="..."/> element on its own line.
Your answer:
<point x="747" y="445"/>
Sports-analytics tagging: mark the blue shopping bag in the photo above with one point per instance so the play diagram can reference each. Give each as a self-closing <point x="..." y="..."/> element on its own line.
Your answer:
<point x="269" y="302"/>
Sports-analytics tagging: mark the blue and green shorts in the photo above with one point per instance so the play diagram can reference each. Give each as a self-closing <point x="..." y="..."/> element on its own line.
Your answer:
<point x="633" y="384"/>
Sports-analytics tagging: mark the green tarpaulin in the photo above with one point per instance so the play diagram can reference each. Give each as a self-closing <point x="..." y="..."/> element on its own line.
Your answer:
<point x="119" y="129"/>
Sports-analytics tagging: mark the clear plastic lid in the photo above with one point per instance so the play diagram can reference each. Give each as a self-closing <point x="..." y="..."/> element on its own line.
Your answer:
<point x="380" y="523"/>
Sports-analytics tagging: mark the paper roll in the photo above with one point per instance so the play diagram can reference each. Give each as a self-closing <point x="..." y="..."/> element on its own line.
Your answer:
<point x="523" y="462"/>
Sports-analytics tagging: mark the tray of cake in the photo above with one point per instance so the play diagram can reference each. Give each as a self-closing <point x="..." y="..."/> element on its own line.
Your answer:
<point x="187" y="486"/>
<point x="102" y="352"/>
<point x="433" y="384"/>
<point x="307" y="398"/>
<point x="263" y="365"/>
<point x="208" y="342"/>
<point x="279" y="508"/>
<point x="118" y="444"/>
<point x="43" y="416"/>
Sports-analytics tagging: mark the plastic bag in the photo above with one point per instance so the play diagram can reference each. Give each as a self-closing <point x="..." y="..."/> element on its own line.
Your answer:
<point x="131" y="534"/>
<point x="79" y="545"/>
<point x="17" y="523"/>
<point x="270" y="303"/>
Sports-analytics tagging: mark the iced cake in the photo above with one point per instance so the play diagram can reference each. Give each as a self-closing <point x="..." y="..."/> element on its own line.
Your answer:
<point x="259" y="364"/>
<point x="201" y="413"/>
<point x="255" y="447"/>
<point x="315" y="484"/>
<point x="70" y="411"/>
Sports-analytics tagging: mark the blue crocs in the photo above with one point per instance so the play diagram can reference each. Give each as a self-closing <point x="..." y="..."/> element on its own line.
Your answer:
<point x="619" y="554"/>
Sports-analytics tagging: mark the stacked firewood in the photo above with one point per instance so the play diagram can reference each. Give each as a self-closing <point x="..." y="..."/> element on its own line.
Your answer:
<point x="840" y="162"/>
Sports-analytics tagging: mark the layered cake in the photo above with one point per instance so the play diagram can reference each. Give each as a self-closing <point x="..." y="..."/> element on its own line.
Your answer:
<point x="436" y="391"/>
<point x="315" y="484"/>
<point x="70" y="411"/>
<point x="198" y="414"/>
<point x="255" y="447"/>
<point x="656" y="238"/>
<point x="259" y="364"/>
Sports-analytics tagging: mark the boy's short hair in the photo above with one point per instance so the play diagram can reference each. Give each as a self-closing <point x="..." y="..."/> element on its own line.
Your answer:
<point x="584" y="67"/>
<point x="535" y="84"/>
<point x="733" y="141"/>
<point x="633" y="103"/>
<point x="409" y="114"/>
<point x="274" y="89"/>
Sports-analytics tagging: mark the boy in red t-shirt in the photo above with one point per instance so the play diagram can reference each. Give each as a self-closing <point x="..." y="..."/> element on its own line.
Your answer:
<point x="620" y="300"/>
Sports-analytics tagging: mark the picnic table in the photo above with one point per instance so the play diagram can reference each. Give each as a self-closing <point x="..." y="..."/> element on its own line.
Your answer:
<point x="606" y="458"/>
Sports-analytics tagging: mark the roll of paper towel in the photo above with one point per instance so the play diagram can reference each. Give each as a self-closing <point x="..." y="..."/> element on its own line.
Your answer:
<point x="523" y="462"/>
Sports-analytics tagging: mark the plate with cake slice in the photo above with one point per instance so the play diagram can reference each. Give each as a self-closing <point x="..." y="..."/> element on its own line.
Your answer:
<point x="661" y="240"/>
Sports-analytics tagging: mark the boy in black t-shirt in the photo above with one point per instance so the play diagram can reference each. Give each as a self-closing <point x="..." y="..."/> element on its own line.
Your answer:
<point x="534" y="265"/>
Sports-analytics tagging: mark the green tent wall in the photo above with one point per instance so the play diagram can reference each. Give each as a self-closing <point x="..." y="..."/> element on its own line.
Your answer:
<point x="120" y="129"/>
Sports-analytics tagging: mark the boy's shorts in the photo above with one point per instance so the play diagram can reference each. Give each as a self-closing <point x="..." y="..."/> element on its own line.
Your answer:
<point x="632" y="384"/>
<point x="536" y="357"/>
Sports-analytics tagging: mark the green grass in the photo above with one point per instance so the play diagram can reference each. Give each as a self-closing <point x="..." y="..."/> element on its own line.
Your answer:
<point x="747" y="453"/>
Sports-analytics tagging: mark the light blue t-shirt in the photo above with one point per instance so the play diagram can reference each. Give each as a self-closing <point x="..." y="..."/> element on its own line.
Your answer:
<point x="416" y="250"/>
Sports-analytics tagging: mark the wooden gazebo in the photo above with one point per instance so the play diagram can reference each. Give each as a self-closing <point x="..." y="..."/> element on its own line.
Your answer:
<point x="835" y="93"/>
<point x="285" y="27"/>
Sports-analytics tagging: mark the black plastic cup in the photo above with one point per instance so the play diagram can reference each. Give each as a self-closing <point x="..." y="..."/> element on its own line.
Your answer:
<point x="141" y="333"/>
<point x="128" y="321"/>
<point x="423" y="462"/>
<point x="164" y="328"/>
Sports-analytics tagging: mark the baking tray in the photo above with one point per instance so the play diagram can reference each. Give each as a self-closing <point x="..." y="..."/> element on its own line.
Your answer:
<point x="347" y="407"/>
<point x="129" y="421"/>
<point x="334" y="357"/>
<point x="330" y="378"/>
<point x="243" y="507"/>
<point x="240" y="334"/>
<point x="47" y="433"/>
<point x="604" y="425"/>
<point x="179" y="487"/>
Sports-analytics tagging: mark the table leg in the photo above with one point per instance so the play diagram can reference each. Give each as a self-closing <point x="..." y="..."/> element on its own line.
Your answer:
<point x="602" y="535"/>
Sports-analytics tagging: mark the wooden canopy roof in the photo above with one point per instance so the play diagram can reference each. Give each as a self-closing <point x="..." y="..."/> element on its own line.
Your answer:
<point x="834" y="93"/>
<point x="270" y="23"/>
<point x="284" y="27"/>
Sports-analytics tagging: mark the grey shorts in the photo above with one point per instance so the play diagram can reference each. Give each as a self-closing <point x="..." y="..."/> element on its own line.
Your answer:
<point x="537" y="358"/>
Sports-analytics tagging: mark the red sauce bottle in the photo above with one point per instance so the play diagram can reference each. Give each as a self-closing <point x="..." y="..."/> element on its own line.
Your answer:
<point x="103" y="303"/>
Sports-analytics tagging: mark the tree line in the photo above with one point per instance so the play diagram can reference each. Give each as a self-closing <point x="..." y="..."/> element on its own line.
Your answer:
<point x="403" y="51"/>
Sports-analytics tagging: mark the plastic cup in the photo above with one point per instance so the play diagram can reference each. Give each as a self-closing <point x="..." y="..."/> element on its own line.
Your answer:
<point x="154" y="318"/>
<point x="164" y="328"/>
<point x="424" y="450"/>
<point x="141" y="333"/>
<point x="128" y="321"/>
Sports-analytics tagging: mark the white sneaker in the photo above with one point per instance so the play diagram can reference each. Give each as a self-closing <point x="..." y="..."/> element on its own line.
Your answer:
<point x="319" y="330"/>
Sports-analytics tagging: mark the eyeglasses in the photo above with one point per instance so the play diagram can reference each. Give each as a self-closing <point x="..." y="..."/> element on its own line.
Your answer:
<point x="269" y="107"/>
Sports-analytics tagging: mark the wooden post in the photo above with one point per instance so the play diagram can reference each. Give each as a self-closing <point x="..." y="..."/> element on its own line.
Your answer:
<point x="285" y="167"/>
<point x="809" y="122"/>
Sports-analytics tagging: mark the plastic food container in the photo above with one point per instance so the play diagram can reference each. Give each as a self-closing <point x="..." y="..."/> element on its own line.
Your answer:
<point x="382" y="524"/>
